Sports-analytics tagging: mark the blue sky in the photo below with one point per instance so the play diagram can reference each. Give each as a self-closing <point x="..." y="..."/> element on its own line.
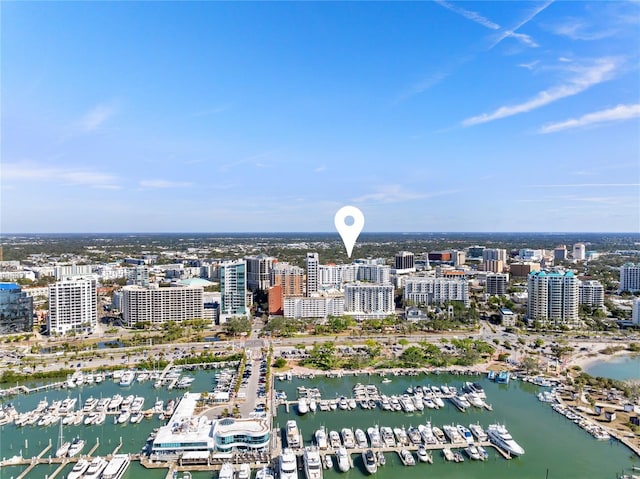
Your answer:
<point x="238" y="117"/>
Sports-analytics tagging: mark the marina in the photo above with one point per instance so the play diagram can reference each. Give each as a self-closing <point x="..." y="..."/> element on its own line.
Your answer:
<point x="107" y="439"/>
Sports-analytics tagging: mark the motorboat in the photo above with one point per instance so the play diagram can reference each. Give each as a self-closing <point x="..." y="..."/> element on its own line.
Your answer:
<point x="348" y="439"/>
<point x="414" y="436"/>
<point x="293" y="434"/>
<point x="116" y="467"/>
<point x="303" y="406"/>
<point x="321" y="438"/>
<point x="361" y="439"/>
<point x="465" y="433"/>
<point x="94" y="471"/>
<point x="374" y="436"/>
<point x="453" y="434"/>
<point x="334" y="439"/>
<point x="401" y="436"/>
<point x="264" y="473"/>
<point x="407" y="458"/>
<point x="244" y="472"/>
<point x="312" y="463"/>
<point x="387" y="436"/>
<point x="499" y="436"/>
<point x="328" y="462"/>
<point x="342" y="457"/>
<point x="79" y="469"/>
<point x="381" y="459"/>
<point x="288" y="465"/>
<point x="426" y="433"/>
<point x="423" y="455"/>
<point x="226" y="471"/>
<point x="472" y="452"/>
<point x="484" y="455"/>
<point x="478" y="432"/>
<point x="370" y="461"/>
<point x="76" y="446"/>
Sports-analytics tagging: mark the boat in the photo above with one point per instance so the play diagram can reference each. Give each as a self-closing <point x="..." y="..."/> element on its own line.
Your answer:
<point x="293" y="434"/>
<point x="328" y="462"/>
<point x="63" y="447"/>
<point x="460" y="401"/>
<point x="342" y="457"/>
<point x="458" y="457"/>
<point x="491" y="375"/>
<point x="499" y="436"/>
<point x="226" y="471"/>
<point x="264" y="473"/>
<point x="334" y="439"/>
<point x="123" y="417"/>
<point x="503" y="377"/>
<point x="116" y="467"/>
<point x="453" y="434"/>
<point x="288" y="465"/>
<point x="79" y="469"/>
<point x="94" y="471"/>
<point x="343" y="403"/>
<point x="386" y="381"/>
<point x="374" y="436"/>
<point x="348" y="439"/>
<point x="423" y="455"/>
<point x="312" y="463"/>
<point x="472" y="452"/>
<point x="370" y="461"/>
<point x="406" y="457"/>
<point x="478" y="432"/>
<point x="401" y="436"/>
<point x="448" y="454"/>
<point x="437" y="432"/>
<point x="115" y="402"/>
<point x="76" y="446"/>
<point x="303" y="406"/>
<point x="244" y="472"/>
<point x="313" y="405"/>
<point x="387" y="436"/>
<point x="361" y="439"/>
<point x="127" y="378"/>
<point x="465" y="433"/>
<point x="414" y="435"/>
<point x="381" y="459"/>
<point x="321" y="438"/>
<point x="136" y="417"/>
<point x="100" y="419"/>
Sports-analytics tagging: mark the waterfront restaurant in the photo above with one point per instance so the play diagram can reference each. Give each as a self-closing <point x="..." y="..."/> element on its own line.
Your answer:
<point x="198" y="436"/>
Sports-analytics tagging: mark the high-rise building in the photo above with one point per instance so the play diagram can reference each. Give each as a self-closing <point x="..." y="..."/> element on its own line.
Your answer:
<point x="591" y="293"/>
<point x="560" y="253"/>
<point x="436" y="290"/>
<point x="366" y="300"/>
<point x="159" y="305"/>
<point x="333" y="276"/>
<point x="233" y="289"/>
<point x="635" y="314"/>
<point x="493" y="265"/>
<point x="286" y="280"/>
<point x="16" y="309"/>
<point x="458" y="257"/>
<point x="497" y="283"/>
<point x="522" y="270"/>
<point x="630" y="277"/>
<point x="376" y="273"/>
<point x="311" y="263"/>
<point x="553" y="298"/>
<point x="64" y="271"/>
<point x="405" y="262"/>
<point x="475" y="252"/>
<point x="579" y="252"/>
<point x="259" y="271"/>
<point x="73" y="305"/>
<point x="139" y="275"/>
<point x="497" y="254"/>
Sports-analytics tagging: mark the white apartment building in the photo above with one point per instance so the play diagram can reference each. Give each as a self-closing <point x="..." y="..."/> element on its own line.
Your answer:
<point x="579" y="252"/>
<point x="335" y="275"/>
<point x="233" y="289"/>
<point x="258" y="271"/>
<point x="497" y="254"/>
<point x="553" y="298"/>
<point x="630" y="277"/>
<point x="367" y="300"/>
<point x="375" y="273"/>
<point x="436" y="290"/>
<point x="458" y="257"/>
<point x="321" y="305"/>
<point x="64" y="271"/>
<point x="635" y="315"/>
<point x="73" y="305"/>
<point x="591" y="293"/>
<point x="159" y="305"/>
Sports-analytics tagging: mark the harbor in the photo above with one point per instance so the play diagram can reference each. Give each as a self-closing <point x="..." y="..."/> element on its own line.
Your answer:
<point x="515" y="405"/>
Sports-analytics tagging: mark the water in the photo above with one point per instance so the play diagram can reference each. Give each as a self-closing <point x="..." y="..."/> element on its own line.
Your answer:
<point x="620" y="367"/>
<point x="550" y="441"/>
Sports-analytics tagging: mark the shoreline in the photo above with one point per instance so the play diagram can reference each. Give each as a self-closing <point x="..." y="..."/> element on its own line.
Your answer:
<point x="585" y="360"/>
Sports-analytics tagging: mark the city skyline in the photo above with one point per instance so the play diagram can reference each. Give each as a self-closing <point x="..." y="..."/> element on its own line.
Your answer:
<point x="246" y="117"/>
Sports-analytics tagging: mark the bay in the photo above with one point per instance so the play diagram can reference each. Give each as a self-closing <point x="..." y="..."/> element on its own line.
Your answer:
<point x="622" y="367"/>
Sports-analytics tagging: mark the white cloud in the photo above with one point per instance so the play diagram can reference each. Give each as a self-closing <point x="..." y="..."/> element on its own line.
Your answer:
<point x="468" y="14"/>
<point x="584" y="78"/>
<point x="157" y="183"/>
<point x="617" y="113"/>
<point x="96" y="117"/>
<point x="396" y="194"/>
<point x="524" y="38"/>
<point x="579" y="29"/>
<point x="320" y="169"/>
<point x="530" y="65"/>
<point x="68" y="176"/>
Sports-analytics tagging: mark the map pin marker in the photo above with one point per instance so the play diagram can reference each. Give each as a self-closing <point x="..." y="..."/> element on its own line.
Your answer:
<point x="349" y="233"/>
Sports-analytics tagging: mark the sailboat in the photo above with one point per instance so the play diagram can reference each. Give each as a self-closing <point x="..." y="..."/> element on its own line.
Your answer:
<point x="63" y="447"/>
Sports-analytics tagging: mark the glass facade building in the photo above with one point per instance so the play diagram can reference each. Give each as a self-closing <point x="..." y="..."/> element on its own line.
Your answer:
<point x="16" y="309"/>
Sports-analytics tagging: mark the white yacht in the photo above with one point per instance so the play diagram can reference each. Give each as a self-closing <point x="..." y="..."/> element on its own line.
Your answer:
<point x="293" y="434"/>
<point x="374" y="436"/>
<point x="348" y="439"/>
<point x="465" y="433"/>
<point x="226" y="471"/>
<point x="499" y="435"/>
<point x="95" y="468"/>
<point x="127" y="378"/>
<point x="370" y="461"/>
<point x="321" y="438"/>
<point x="123" y="417"/>
<point x="288" y="465"/>
<point x="116" y="467"/>
<point x="76" y="446"/>
<point x="472" y="452"/>
<point x="342" y="457"/>
<point x="303" y="406"/>
<point x="264" y="473"/>
<point x="244" y="472"/>
<point x="478" y="432"/>
<point x="423" y="455"/>
<point x="79" y="469"/>
<point x="312" y="463"/>
<point x="361" y="439"/>
<point x="334" y="439"/>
